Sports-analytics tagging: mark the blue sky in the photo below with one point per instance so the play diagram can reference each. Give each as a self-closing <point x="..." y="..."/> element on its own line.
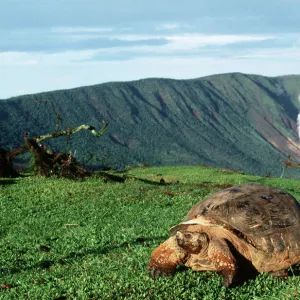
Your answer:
<point x="57" y="44"/>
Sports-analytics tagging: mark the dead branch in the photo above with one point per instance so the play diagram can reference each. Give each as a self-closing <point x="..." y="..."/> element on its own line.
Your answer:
<point x="70" y="131"/>
<point x="48" y="163"/>
<point x="13" y="153"/>
<point x="288" y="163"/>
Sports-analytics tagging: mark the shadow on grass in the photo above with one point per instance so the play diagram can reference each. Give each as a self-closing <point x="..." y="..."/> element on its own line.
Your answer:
<point x="76" y="256"/>
<point x="106" y="249"/>
<point x="160" y="182"/>
<point x="7" y="181"/>
<point x="116" y="178"/>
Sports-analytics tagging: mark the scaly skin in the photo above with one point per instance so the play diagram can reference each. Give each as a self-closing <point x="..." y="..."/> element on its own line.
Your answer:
<point x="223" y="260"/>
<point x="178" y="249"/>
<point x="166" y="257"/>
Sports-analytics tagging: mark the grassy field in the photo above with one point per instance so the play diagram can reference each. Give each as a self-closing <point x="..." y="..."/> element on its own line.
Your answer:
<point x="63" y="239"/>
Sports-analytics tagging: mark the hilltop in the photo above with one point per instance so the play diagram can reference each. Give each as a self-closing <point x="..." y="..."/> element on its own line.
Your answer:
<point x="236" y="121"/>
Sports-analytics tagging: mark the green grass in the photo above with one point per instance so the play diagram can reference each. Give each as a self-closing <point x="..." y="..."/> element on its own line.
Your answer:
<point x="63" y="239"/>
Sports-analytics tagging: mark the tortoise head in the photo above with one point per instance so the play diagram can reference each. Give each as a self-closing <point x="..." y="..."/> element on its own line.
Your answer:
<point x="177" y="250"/>
<point x="192" y="242"/>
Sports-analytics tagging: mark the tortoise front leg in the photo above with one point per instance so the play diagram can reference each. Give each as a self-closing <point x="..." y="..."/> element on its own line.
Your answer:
<point x="222" y="258"/>
<point x="165" y="258"/>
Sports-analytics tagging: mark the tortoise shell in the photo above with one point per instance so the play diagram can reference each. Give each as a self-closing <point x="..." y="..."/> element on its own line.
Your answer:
<point x="269" y="218"/>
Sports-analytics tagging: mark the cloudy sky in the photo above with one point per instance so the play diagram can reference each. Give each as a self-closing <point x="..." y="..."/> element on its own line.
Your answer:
<point x="57" y="44"/>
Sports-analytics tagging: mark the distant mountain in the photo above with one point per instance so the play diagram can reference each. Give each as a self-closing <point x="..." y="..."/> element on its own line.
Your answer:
<point x="237" y="121"/>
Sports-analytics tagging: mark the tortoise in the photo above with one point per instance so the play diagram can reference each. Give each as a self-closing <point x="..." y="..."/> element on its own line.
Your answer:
<point x="238" y="232"/>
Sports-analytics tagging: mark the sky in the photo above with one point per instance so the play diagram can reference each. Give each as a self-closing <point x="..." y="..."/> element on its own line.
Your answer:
<point x="59" y="44"/>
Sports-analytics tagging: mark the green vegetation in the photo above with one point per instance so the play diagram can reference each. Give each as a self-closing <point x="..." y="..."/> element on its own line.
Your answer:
<point x="63" y="239"/>
<point x="236" y="121"/>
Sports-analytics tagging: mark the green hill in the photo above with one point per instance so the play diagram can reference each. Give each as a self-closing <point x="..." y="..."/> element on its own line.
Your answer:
<point x="237" y="121"/>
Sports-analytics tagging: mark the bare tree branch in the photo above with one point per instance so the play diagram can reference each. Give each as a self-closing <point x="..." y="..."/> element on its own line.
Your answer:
<point x="70" y="131"/>
<point x="288" y="163"/>
<point x="13" y="153"/>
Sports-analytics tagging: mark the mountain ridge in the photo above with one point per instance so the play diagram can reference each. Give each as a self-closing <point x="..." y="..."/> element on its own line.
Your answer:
<point x="145" y="79"/>
<point x="239" y="121"/>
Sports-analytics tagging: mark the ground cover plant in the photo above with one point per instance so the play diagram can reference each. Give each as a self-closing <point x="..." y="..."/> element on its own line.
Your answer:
<point x="91" y="239"/>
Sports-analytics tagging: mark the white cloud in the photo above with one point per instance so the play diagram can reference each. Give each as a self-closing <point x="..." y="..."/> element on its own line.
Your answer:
<point x="178" y="46"/>
<point x="18" y="59"/>
<point x="126" y="29"/>
<point x="289" y="53"/>
<point x="31" y="62"/>
<point x="184" y="56"/>
<point x="167" y="26"/>
<point x="9" y="59"/>
<point x="202" y="39"/>
<point x="172" y="26"/>
<point x="194" y="41"/>
<point x="65" y="74"/>
<point x="183" y="44"/>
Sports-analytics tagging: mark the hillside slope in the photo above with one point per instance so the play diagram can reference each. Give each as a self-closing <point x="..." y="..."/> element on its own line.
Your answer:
<point x="237" y="121"/>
